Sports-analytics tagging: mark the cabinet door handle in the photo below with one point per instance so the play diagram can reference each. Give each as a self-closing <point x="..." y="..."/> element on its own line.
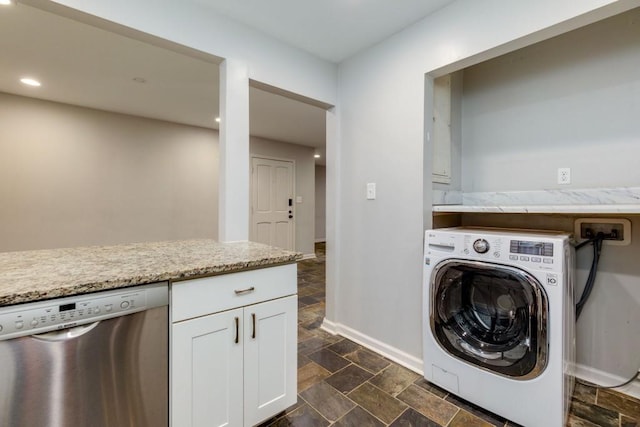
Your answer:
<point x="237" y="330"/>
<point x="253" y="320"/>
<point x="245" y="291"/>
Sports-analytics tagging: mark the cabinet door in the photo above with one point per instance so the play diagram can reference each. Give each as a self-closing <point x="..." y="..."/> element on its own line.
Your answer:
<point x="270" y="358"/>
<point x="206" y="363"/>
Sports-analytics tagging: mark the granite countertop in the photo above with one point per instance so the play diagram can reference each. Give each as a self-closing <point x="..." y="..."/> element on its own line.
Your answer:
<point x="42" y="274"/>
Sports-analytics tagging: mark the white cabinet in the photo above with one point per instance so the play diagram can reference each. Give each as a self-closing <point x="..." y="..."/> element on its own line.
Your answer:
<point x="207" y="372"/>
<point x="270" y="358"/>
<point x="233" y="348"/>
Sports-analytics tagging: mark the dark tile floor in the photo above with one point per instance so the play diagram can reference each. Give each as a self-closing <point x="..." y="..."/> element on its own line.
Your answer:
<point x="343" y="384"/>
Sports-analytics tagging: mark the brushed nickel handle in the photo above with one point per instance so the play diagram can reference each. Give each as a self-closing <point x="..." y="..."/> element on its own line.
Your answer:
<point x="253" y="320"/>
<point x="237" y="330"/>
<point x="245" y="291"/>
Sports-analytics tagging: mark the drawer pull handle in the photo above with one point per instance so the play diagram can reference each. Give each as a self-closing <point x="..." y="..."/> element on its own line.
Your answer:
<point x="245" y="291"/>
<point x="237" y="330"/>
<point x="253" y="320"/>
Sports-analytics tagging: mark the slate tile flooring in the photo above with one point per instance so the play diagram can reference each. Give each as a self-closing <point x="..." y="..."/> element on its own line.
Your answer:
<point x="343" y="384"/>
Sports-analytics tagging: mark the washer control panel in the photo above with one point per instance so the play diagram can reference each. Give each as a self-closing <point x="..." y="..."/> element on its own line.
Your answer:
<point x="62" y="313"/>
<point x="536" y="251"/>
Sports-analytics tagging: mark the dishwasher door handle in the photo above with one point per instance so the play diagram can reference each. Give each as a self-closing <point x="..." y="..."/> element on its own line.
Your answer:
<point x="66" y="334"/>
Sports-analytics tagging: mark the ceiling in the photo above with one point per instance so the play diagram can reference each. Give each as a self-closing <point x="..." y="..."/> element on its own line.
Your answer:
<point x="83" y="65"/>
<point x="330" y="29"/>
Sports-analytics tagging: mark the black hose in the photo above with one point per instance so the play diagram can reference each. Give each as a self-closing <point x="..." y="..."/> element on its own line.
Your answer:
<point x="629" y="381"/>
<point x="597" y="250"/>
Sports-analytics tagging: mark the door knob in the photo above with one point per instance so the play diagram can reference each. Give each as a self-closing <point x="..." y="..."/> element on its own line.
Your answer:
<point x="290" y="216"/>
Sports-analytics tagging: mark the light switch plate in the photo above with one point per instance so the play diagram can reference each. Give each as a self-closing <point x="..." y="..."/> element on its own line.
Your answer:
<point x="371" y="191"/>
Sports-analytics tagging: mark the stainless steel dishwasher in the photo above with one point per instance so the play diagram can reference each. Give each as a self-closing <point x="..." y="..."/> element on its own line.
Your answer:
<point x="97" y="359"/>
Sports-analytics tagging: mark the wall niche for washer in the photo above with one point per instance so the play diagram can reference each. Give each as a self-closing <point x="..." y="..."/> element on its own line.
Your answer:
<point x="569" y="101"/>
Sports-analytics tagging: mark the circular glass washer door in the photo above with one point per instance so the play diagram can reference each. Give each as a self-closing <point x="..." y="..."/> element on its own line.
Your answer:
<point x="490" y="315"/>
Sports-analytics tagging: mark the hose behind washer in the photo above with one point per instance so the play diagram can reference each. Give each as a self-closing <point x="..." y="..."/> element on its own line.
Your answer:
<point x="597" y="250"/>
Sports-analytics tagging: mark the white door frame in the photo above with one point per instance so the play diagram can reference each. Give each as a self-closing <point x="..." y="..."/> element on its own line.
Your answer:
<point x="293" y="187"/>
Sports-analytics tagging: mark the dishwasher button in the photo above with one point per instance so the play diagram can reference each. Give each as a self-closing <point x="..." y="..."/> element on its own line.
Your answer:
<point x="34" y="322"/>
<point x="108" y="308"/>
<point x="0" y="328"/>
<point x="124" y="305"/>
<point x="19" y="324"/>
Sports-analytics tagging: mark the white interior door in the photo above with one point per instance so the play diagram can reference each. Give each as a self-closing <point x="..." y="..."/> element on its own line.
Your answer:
<point x="272" y="215"/>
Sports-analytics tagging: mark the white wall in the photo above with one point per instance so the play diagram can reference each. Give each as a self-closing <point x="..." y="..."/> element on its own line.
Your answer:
<point x="304" y="185"/>
<point x="72" y="176"/>
<point x="572" y="101"/>
<point x="321" y="194"/>
<point x="377" y="294"/>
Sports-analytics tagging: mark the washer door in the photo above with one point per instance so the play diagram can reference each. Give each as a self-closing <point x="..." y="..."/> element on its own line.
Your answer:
<point x="493" y="316"/>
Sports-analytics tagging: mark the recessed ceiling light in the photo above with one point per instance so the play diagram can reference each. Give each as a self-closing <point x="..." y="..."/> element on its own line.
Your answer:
<point x="5" y="2"/>
<point x="30" y="82"/>
<point x="218" y="119"/>
<point x="317" y="156"/>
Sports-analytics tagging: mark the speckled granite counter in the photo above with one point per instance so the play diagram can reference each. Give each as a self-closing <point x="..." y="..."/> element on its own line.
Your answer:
<point x="43" y="274"/>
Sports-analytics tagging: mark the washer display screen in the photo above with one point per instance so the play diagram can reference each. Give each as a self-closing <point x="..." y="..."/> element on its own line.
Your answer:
<point x="531" y="248"/>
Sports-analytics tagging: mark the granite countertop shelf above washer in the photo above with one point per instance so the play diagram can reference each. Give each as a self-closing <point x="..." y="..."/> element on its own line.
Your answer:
<point x="27" y="276"/>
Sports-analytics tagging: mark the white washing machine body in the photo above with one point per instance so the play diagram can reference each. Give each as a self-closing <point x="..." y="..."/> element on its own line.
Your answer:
<point x="499" y="328"/>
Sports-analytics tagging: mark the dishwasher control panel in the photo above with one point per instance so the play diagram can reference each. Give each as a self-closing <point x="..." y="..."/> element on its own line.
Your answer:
<point x="62" y="313"/>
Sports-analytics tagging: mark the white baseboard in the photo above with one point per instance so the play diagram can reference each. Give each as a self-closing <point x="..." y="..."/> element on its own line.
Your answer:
<point x="400" y="357"/>
<point x="321" y="240"/>
<point x="308" y="256"/>
<point x="599" y="377"/>
<point x="329" y="326"/>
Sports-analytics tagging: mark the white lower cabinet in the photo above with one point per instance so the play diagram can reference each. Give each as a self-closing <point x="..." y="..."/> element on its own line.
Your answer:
<point x="270" y="358"/>
<point x="236" y="367"/>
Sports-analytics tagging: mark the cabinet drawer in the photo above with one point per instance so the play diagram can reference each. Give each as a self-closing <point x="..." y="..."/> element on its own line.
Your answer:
<point x="199" y="297"/>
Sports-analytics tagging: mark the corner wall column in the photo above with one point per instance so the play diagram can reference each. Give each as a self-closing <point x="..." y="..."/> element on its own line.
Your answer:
<point x="233" y="192"/>
<point x="332" y="231"/>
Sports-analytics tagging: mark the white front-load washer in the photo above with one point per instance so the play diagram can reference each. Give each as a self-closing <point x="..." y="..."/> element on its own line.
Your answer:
<point x="499" y="326"/>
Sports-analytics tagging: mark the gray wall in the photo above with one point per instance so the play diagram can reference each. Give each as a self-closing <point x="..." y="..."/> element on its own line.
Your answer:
<point x="72" y="176"/>
<point x="571" y="101"/>
<point x="321" y="195"/>
<point x="304" y="183"/>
